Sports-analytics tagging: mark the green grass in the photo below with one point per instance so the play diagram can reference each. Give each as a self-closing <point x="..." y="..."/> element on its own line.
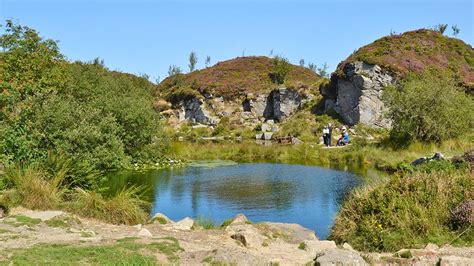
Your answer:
<point x="411" y="209"/>
<point x="302" y="246"/>
<point x="62" y="222"/>
<point x="125" y="207"/>
<point x="20" y="220"/>
<point x="126" y="252"/>
<point x="204" y="222"/>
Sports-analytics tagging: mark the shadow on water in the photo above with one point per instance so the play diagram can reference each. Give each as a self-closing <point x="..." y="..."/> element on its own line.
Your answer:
<point x="291" y="193"/>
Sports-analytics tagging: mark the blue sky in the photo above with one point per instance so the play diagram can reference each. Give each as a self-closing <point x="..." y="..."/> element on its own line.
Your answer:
<point x="147" y="36"/>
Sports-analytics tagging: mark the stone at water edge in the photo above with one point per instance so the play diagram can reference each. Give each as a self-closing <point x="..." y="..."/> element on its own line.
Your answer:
<point x="432" y="247"/>
<point x="239" y="219"/>
<point x="317" y="246"/>
<point x="161" y="219"/>
<point x="144" y="233"/>
<point x="339" y="257"/>
<point x="137" y="226"/>
<point x="184" y="224"/>
<point x="246" y="234"/>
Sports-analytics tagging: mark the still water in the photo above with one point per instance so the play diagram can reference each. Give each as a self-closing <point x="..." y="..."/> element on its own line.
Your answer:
<point x="307" y="195"/>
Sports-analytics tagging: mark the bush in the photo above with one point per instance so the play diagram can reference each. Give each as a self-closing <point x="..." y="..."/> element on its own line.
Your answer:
<point x="429" y="107"/>
<point x="410" y="210"/>
<point x="125" y="207"/>
<point x="281" y="68"/>
<point x="34" y="189"/>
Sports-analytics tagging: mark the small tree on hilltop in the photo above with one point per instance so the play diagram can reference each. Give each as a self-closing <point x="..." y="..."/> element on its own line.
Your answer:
<point x="281" y="68"/>
<point x="323" y="70"/>
<point x="441" y="28"/>
<point x="174" y="70"/>
<point x="301" y="62"/>
<point x="192" y="61"/>
<point x="312" y="67"/>
<point x="208" y="61"/>
<point x="456" y="30"/>
<point x="429" y="107"/>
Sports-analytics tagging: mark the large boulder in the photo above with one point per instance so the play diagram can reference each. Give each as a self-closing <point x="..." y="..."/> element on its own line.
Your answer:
<point x="277" y="105"/>
<point x="194" y="110"/>
<point x="357" y="95"/>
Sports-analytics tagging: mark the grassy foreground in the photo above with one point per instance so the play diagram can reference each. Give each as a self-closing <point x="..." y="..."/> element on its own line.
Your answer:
<point x="125" y="252"/>
<point x="413" y="208"/>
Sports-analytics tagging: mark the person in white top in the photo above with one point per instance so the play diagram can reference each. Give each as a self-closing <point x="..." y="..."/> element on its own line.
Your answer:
<point x="326" y="136"/>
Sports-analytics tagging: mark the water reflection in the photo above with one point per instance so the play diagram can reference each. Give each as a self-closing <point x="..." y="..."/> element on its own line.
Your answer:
<point x="301" y="194"/>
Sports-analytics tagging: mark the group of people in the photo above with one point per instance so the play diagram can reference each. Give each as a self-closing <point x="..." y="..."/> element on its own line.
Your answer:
<point x="327" y="136"/>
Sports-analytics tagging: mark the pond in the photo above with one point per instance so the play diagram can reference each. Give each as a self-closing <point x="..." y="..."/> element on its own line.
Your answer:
<point x="289" y="193"/>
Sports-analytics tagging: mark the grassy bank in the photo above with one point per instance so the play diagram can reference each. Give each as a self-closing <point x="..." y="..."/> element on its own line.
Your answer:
<point x="358" y="154"/>
<point x="430" y="204"/>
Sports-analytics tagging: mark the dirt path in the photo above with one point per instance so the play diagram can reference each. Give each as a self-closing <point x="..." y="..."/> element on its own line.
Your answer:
<point x="240" y="243"/>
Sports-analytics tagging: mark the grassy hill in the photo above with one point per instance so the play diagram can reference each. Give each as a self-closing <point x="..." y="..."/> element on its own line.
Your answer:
<point x="236" y="78"/>
<point x="413" y="51"/>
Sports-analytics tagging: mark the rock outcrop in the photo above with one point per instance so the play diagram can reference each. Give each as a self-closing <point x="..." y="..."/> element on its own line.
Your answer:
<point x="357" y="97"/>
<point x="277" y="105"/>
<point x="194" y="110"/>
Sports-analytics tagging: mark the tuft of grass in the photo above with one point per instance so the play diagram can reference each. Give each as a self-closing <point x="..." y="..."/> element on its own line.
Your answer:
<point x="204" y="222"/>
<point x="160" y="220"/>
<point x="227" y="222"/>
<point x="125" y="207"/>
<point x="411" y="209"/>
<point x="62" y="222"/>
<point x="302" y="246"/>
<point x="34" y="189"/>
<point x="25" y="220"/>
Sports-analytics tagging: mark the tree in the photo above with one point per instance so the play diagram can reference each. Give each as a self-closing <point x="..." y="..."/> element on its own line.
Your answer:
<point x="312" y="67"/>
<point x="419" y="113"/>
<point x="192" y="61"/>
<point x="208" y="61"/>
<point x="441" y="28"/>
<point x="281" y="68"/>
<point x="301" y="62"/>
<point x="323" y="70"/>
<point x="174" y="70"/>
<point x="456" y="30"/>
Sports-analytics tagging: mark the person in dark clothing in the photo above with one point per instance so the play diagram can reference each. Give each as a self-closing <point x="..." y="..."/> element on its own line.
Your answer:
<point x="330" y="135"/>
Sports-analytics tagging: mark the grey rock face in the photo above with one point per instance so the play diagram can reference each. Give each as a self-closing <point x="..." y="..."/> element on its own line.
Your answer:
<point x="193" y="110"/>
<point x="358" y="97"/>
<point x="277" y="105"/>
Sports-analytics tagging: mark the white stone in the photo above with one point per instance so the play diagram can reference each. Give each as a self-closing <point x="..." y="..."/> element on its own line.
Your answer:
<point x="144" y="233"/>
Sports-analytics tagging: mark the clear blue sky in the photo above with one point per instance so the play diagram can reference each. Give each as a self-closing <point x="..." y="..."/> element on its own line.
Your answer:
<point x="147" y="36"/>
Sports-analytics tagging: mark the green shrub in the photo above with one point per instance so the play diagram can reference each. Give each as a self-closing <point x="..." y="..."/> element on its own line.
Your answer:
<point x="429" y="107"/>
<point x="281" y="68"/>
<point x="410" y="210"/>
<point x="34" y="189"/>
<point x="123" y="208"/>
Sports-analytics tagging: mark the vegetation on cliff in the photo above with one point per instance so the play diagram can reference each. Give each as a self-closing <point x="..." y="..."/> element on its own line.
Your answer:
<point x="236" y="78"/>
<point x="414" y="51"/>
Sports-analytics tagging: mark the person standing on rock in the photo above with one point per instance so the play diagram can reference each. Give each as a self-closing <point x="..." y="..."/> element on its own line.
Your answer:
<point x="325" y="135"/>
<point x="330" y="135"/>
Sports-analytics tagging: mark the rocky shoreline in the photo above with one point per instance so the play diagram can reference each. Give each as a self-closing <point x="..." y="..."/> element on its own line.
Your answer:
<point x="239" y="241"/>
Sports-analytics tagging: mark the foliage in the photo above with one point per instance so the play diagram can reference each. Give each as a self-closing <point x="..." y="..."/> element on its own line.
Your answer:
<point x="99" y="118"/>
<point x="410" y="210"/>
<point x="234" y="79"/>
<point x="192" y="61"/>
<point x="208" y="61"/>
<point x="204" y="222"/>
<point x="281" y="68"/>
<point x="419" y="113"/>
<point x="441" y="28"/>
<point x="34" y="189"/>
<point x="125" y="207"/>
<point x="456" y="30"/>
<point x="174" y="70"/>
<point x="120" y="253"/>
<point x="424" y="48"/>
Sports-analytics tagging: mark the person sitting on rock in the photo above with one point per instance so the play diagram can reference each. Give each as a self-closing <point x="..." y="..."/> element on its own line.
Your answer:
<point x="344" y="139"/>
